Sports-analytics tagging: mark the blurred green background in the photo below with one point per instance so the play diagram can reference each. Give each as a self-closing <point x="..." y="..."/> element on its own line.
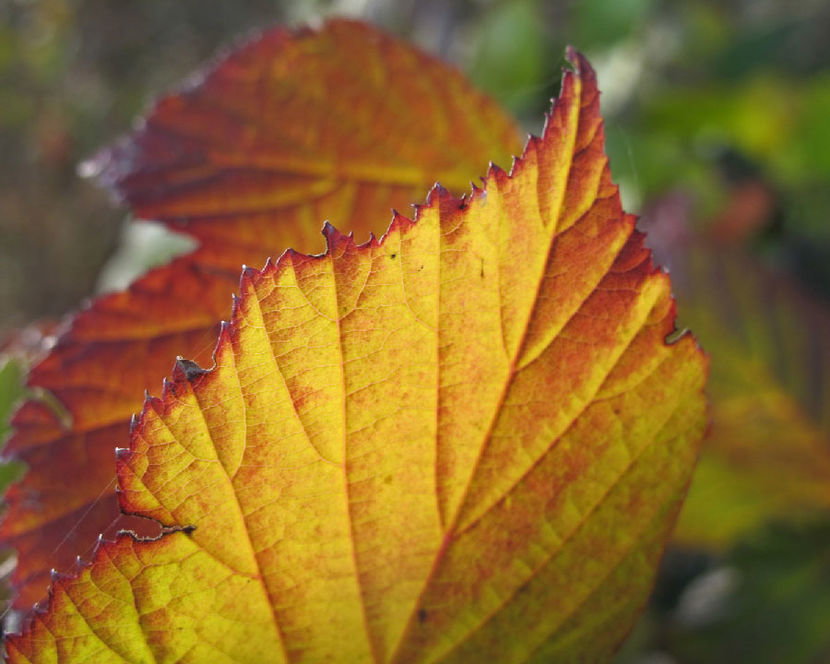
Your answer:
<point x="720" y="108"/>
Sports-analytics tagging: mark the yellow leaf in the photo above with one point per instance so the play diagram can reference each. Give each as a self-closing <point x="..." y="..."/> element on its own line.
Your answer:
<point x="465" y="442"/>
<point x="342" y="122"/>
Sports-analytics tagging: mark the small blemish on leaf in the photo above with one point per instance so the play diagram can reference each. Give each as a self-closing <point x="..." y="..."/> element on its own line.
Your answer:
<point x="393" y="256"/>
<point x="191" y="370"/>
<point x="422" y="616"/>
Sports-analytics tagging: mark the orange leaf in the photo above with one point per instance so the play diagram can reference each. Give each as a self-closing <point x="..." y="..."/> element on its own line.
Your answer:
<point x="113" y="351"/>
<point x="342" y="124"/>
<point x="465" y="442"/>
<point x="343" y="121"/>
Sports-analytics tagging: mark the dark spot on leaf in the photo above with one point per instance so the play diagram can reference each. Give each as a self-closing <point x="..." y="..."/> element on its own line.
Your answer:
<point x="422" y="616"/>
<point x="191" y="370"/>
<point x="393" y="255"/>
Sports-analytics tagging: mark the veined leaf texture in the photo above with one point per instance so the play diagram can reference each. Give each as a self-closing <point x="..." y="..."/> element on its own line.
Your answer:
<point x="467" y="440"/>
<point x="414" y="121"/>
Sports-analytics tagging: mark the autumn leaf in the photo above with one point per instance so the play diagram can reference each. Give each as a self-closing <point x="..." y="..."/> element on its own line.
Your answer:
<point x="340" y="123"/>
<point x="118" y="345"/>
<point x="767" y="456"/>
<point x="466" y="441"/>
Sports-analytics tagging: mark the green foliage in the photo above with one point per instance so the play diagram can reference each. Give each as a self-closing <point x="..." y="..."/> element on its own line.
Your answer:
<point x="777" y="612"/>
<point x="12" y="374"/>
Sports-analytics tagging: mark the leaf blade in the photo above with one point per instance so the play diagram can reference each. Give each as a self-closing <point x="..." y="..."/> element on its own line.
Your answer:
<point x="122" y="343"/>
<point x="369" y="118"/>
<point x="335" y="465"/>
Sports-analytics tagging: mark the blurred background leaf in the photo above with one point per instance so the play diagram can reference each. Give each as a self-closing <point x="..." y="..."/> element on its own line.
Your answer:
<point x="12" y="375"/>
<point x="716" y="114"/>
<point x="767" y="455"/>
<point x="12" y="391"/>
<point x="19" y="350"/>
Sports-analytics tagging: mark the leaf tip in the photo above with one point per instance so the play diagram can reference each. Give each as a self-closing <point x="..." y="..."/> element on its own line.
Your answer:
<point x="336" y="240"/>
<point x="246" y="279"/>
<point x="224" y="331"/>
<point x="496" y="172"/>
<point x="329" y="230"/>
<point x="439" y="190"/>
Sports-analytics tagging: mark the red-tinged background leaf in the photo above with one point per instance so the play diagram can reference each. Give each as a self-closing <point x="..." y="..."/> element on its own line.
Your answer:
<point x="122" y="343"/>
<point x="19" y="348"/>
<point x="341" y="123"/>
<point x="767" y="456"/>
<point x="465" y="442"/>
<point x="331" y="124"/>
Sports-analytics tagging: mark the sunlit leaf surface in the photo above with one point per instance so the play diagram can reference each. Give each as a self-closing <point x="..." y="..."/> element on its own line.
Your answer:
<point x="294" y="128"/>
<point x="465" y="442"/>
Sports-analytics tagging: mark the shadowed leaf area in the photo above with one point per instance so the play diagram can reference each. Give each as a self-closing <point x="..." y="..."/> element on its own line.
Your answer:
<point x="250" y="158"/>
<point x="465" y="442"/>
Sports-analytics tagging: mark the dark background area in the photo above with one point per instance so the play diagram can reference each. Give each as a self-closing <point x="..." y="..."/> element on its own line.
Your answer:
<point x="725" y="104"/>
